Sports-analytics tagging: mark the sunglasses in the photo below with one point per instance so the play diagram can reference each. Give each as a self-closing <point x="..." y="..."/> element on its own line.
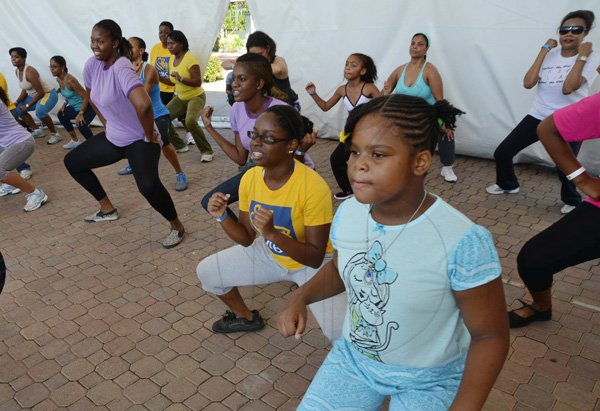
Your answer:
<point x="573" y="29"/>
<point x="264" y="138"/>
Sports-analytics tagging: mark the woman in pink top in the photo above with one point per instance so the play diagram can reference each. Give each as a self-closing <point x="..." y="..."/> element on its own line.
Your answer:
<point x="575" y="238"/>
<point x="125" y="109"/>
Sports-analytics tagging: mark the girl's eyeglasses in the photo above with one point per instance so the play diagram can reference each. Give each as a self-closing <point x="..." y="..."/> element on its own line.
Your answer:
<point x="573" y="29"/>
<point x="265" y="138"/>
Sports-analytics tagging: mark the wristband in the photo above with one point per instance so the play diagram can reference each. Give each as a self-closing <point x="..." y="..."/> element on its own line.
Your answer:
<point x="312" y="94"/>
<point x="582" y="58"/>
<point x="27" y="105"/>
<point x="181" y="79"/>
<point x="547" y="47"/>
<point x="299" y="152"/>
<point x="576" y="173"/>
<point x="222" y="218"/>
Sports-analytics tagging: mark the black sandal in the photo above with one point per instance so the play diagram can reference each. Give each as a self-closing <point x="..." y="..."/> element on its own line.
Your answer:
<point x="516" y="321"/>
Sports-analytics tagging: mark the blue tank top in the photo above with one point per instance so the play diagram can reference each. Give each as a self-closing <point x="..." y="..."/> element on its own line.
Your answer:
<point x="73" y="99"/>
<point x="419" y="89"/>
<point x="157" y="105"/>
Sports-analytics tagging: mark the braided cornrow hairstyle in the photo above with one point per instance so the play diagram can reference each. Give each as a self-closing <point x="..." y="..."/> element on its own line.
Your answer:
<point x="418" y="120"/>
<point x="290" y="120"/>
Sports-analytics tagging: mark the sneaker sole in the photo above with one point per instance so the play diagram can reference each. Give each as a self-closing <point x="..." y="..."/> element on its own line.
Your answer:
<point x="10" y="193"/>
<point x="44" y="201"/>
<point x="101" y="219"/>
<point x="179" y="189"/>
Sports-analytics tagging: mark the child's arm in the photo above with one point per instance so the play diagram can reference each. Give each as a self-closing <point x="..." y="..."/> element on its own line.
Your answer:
<point x="237" y="231"/>
<point x="484" y="312"/>
<point x="371" y="90"/>
<point x="309" y="253"/>
<point x="533" y="74"/>
<point x="325" y="105"/>
<point x="326" y="283"/>
<point x="234" y="151"/>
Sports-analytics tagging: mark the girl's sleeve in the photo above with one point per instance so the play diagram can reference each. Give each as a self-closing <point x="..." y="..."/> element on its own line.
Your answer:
<point x="474" y="261"/>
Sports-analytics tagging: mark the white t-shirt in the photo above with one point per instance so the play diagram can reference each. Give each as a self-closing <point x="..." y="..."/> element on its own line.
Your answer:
<point x="554" y="71"/>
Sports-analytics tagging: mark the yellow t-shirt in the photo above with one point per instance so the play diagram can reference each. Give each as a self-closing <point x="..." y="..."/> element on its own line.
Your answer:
<point x="185" y="92"/>
<point x="4" y="86"/>
<point x="160" y="58"/>
<point x="304" y="200"/>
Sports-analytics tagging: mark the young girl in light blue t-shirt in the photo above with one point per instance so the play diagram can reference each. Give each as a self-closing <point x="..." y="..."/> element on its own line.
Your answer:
<point x="425" y="321"/>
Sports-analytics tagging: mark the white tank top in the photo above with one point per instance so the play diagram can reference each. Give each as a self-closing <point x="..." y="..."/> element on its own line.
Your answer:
<point x="362" y="99"/>
<point x="27" y="86"/>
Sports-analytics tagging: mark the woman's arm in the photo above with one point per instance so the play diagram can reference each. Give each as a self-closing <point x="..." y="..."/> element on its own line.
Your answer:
<point x="326" y="283"/>
<point x="74" y="85"/>
<point x="279" y="67"/>
<point x="236" y="151"/>
<point x="564" y="158"/>
<point x="22" y="96"/>
<point x="484" y="312"/>
<point x="143" y="107"/>
<point x="151" y="78"/>
<point x="533" y="74"/>
<point x="390" y="84"/>
<point x="325" y="105"/>
<point x="309" y="253"/>
<point x="575" y="77"/>
<point x="195" y="79"/>
<point x="98" y="113"/>
<point x="241" y="232"/>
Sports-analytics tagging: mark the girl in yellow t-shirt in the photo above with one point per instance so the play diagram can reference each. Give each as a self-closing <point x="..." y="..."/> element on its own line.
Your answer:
<point x="284" y="219"/>
<point x="190" y="97"/>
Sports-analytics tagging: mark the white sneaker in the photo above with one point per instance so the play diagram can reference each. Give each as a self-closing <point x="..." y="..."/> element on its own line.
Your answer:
<point x="37" y="133"/>
<point x="448" y="174"/>
<point x="72" y="144"/>
<point x="183" y="149"/>
<point x="35" y="200"/>
<point x="54" y="138"/>
<point x="566" y="209"/>
<point x="496" y="189"/>
<point x="7" y="190"/>
<point x="26" y="173"/>
<point x="207" y="158"/>
<point x="190" y="138"/>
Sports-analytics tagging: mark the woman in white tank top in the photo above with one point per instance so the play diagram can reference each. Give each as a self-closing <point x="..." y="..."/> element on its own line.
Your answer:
<point x="36" y="95"/>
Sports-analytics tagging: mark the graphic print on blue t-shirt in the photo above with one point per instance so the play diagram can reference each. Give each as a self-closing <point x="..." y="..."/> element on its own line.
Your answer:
<point x="162" y="66"/>
<point x="368" y="282"/>
<point x="282" y="221"/>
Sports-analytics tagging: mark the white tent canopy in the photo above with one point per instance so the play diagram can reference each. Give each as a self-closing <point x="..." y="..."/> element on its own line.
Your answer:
<point x="482" y="48"/>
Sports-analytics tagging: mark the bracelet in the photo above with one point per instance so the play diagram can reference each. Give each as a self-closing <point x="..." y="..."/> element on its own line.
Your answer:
<point x="547" y="47"/>
<point x="299" y="152"/>
<point x="222" y="218"/>
<point x="576" y="173"/>
<point x="312" y="94"/>
<point x="181" y="79"/>
<point x="27" y="105"/>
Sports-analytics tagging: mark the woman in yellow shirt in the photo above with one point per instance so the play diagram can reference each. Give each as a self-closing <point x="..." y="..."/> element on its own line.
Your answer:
<point x="190" y="97"/>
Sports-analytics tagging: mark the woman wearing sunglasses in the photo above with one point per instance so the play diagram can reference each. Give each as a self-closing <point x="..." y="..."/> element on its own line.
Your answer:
<point x="283" y="228"/>
<point x="563" y="76"/>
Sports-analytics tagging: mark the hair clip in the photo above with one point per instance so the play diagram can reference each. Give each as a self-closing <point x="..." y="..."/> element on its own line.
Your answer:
<point x="344" y="136"/>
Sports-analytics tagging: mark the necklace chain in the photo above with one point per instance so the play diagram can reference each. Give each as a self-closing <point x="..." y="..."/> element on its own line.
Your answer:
<point x="401" y="231"/>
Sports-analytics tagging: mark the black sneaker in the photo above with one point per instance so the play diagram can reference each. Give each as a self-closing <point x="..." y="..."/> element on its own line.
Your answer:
<point x="100" y="216"/>
<point x="342" y="195"/>
<point x="232" y="324"/>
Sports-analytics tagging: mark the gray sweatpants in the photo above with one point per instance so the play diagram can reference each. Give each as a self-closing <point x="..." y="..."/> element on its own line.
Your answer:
<point x="14" y="155"/>
<point x="239" y="266"/>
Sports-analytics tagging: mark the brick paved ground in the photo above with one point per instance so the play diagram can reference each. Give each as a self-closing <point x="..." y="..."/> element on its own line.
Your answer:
<point x="101" y="315"/>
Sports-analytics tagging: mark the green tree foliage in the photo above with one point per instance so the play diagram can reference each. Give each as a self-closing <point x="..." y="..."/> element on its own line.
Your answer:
<point x="235" y="20"/>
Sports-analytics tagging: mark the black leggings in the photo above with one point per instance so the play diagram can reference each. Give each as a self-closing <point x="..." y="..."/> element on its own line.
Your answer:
<point x="524" y="135"/>
<point x="2" y="272"/>
<point x="339" y="165"/>
<point x="143" y="159"/>
<point x="572" y="240"/>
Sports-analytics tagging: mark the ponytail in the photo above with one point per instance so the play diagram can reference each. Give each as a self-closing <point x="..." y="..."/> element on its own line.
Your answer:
<point x="447" y="113"/>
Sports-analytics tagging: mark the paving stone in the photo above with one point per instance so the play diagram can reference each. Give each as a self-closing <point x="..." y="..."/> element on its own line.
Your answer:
<point x="67" y="394"/>
<point x="569" y="394"/>
<point x="178" y="390"/>
<point x="216" y="388"/>
<point x="104" y="392"/>
<point x="31" y="395"/>
<point x="141" y="391"/>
